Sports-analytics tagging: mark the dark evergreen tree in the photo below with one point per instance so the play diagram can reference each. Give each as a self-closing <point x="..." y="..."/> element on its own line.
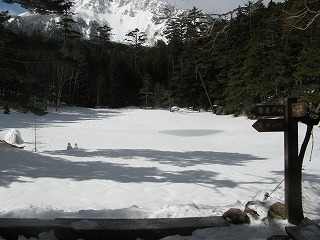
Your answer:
<point x="146" y="90"/>
<point x="252" y="57"/>
<point x="67" y="24"/>
<point x="104" y="34"/>
<point x="136" y="38"/>
<point x="4" y="16"/>
<point x="306" y="73"/>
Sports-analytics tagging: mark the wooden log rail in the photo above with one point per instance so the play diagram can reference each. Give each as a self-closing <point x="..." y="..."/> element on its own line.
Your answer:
<point x="107" y="229"/>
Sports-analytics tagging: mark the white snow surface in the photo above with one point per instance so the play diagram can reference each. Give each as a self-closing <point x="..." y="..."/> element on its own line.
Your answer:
<point x="135" y="163"/>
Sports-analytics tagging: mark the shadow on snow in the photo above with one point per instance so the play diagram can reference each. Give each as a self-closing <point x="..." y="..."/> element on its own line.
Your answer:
<point x="65" y="115"/>
<point x="34" y="165"/>
<point x="180" y="159"/>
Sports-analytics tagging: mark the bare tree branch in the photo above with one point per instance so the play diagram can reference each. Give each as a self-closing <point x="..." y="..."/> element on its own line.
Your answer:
<point x="302" y="19"/>
<point x="221" y="22"/>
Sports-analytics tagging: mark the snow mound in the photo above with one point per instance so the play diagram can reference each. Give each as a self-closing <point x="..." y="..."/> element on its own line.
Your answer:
<point x="12" y="136"/>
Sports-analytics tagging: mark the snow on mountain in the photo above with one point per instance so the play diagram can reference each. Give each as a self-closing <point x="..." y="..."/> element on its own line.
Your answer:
<point x="123" y="16"/>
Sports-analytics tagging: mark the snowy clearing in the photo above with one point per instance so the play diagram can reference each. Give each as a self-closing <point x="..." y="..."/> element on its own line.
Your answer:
<point x="134" y="163"/>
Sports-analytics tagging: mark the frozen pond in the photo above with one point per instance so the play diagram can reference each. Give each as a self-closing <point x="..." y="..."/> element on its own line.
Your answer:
<point x="191" y="132"/>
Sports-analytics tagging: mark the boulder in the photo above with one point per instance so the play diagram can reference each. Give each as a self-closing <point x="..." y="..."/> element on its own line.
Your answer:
<point x="277" y="211"/>
<point x="237" y="216"/>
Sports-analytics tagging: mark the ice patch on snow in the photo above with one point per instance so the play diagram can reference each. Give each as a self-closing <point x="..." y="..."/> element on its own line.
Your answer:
<point x="191" y="132"/>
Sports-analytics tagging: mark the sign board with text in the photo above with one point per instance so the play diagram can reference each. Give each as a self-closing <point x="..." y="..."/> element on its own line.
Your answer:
<point x="269" y="125"/>
<point x="268" y="110"/>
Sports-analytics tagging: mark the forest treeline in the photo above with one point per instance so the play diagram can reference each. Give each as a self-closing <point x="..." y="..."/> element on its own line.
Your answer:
<point x="227" y="64"/>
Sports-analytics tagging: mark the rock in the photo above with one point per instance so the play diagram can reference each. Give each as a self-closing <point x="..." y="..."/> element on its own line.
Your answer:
<point x="236" y="216"/>
<point x="306" y="230"/>
<point x="277" y="211"/>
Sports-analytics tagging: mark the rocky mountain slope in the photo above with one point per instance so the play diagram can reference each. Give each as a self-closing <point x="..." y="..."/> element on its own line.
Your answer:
<point x="123" y="16"/>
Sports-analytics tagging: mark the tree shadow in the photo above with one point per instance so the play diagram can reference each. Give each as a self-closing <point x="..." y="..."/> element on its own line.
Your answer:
<point x="68" y="115"/>
<point x="179" y="159"/>
<point x="34" y="165"/>
<point x="305" y="176"/>
<point x="310" y="194"/>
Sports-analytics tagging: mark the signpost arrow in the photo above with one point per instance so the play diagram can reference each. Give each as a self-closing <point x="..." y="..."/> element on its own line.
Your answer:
<point x="268" y="110"/>
<point x="270" y="125"/>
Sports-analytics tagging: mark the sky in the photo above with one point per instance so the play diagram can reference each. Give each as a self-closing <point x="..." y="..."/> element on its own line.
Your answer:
<point x="210" y="6"/>
<point x="14" y="9"/>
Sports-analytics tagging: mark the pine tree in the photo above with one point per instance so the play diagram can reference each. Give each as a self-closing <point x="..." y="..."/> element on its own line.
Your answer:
<point x="146" y="90"/>
<point x="104" y="34"/>
<point x="4" y="16"/>
<point x="196" y="24"/>
<point x="67" y="24"/>
<point x="307" y="69"/>
<point x="136" y="39"/>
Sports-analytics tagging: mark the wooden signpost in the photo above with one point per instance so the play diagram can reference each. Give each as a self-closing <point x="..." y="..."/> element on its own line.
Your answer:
<point x="270" y="125"/>
<point x="268" y="110"/>
<point x="288" y="116"/>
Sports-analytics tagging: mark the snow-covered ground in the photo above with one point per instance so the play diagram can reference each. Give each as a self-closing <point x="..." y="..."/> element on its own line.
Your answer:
<point x="134" y="163"/>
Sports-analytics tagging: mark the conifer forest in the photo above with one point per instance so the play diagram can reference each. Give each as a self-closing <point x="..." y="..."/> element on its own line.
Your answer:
<point x="255" y="55"/>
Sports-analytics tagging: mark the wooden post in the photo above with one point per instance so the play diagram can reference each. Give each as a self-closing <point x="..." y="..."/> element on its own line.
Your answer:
<point x="293" y="167"/>
<point x="291" y="113"/>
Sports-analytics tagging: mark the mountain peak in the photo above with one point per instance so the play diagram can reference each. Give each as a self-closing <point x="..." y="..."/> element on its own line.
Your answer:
<point x="123" y="16"/>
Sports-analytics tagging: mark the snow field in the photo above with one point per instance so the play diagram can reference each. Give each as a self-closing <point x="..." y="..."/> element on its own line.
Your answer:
<point x="135" y="163"/>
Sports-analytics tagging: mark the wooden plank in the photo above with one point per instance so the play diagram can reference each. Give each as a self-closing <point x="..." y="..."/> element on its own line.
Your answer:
<point x="155" y="228"/>
<point x="11" y="228"/>
<point x="25" y="222"/>
<point x="107" y="229"/>
<point x="148" y="223"/>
